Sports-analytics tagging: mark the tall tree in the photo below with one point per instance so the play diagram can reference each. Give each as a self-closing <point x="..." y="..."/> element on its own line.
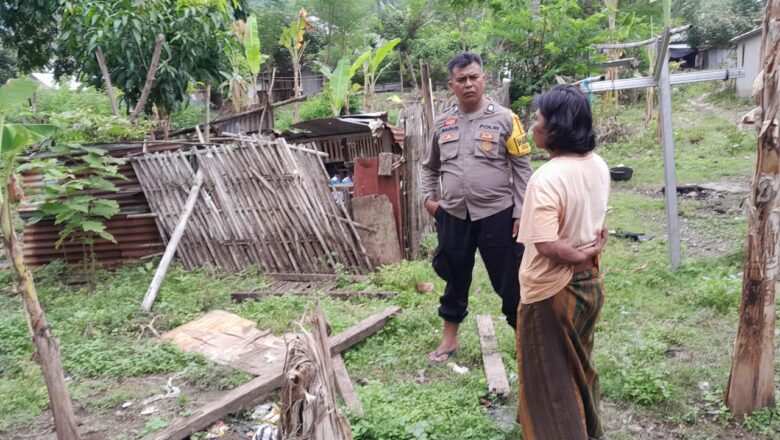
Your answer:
<point x="30" y="28"/>
<point x="751" y="383"/>
<point x="195" y="36"/>
<point x="556" y="41"/>
<point x="293" y="40"/>
<point x="406" y="21"/>
<point x="715" y="22"/>
<point x="342" y="26"/>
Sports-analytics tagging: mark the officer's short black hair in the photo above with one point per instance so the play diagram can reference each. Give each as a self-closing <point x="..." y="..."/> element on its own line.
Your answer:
<point x="568" y="119"/>
<point x="462" y="60"/>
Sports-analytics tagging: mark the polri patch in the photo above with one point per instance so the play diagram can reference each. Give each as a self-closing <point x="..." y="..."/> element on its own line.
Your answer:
<point x="485" y="136"/>
<point x="487" y="147"/>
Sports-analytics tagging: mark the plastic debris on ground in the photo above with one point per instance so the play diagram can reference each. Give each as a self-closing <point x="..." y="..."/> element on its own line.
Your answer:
<point x="266" y="431"/>
<point x="457" y="368"/>
<point x="217" y="430"/>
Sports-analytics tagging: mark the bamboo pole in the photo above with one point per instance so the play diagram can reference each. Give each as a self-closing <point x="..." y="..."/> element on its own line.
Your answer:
<point x="170" y="250"/>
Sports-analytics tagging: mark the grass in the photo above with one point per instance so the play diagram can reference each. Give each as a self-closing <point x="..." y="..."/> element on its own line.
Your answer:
<point x="663" y="344"/>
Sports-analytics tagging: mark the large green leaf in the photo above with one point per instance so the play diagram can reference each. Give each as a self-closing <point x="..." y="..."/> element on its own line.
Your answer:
<point x="252" y="46"/>
<point x="359" y="62"/>
<point x="339" y="85"/>
<point x="17" y="136"/>
<point x="382" y="53"/>
<point x="15" y="93"/>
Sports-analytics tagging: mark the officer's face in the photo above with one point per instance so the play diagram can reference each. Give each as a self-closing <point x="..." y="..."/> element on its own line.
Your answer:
<point x="540" y="131"/>
<point x="468" y="84"/>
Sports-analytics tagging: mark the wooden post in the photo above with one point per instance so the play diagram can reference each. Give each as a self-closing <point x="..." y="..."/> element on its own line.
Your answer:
<point x="751" y="383"/>
<point x="107" y="79"/>
<point x="505" y="91"/>
<point x="47" y="348"/>
<point x="150" y="74"/>
<point x="207" y="118"/>
<point x="427" y="94"/>
<point x="173" y="243"/>
<point x="670" y="174"/>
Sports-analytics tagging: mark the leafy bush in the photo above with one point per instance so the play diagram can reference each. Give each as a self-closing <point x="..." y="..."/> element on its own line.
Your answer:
<point x="318" y="106"/>
<point x="63" y="99"/>
<point x="188" y="117"/>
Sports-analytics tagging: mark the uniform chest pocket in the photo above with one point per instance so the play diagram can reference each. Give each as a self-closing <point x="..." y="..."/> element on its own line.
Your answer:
<point x="487" y="144"/>
<point x="448" y="145"/>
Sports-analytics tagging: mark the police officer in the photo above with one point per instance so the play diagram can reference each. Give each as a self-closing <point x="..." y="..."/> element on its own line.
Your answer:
<point x="473" y="182"/>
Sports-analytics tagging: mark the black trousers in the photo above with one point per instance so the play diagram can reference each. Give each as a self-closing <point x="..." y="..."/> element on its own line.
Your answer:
<point x="454" y="261"/>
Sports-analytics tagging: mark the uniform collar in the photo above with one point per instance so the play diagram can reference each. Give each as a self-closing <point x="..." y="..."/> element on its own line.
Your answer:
<point x="487" y="109"/>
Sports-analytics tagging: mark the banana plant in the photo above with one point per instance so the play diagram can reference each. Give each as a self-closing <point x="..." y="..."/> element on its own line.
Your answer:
<point x="372" y="71"/>
<point x="254" y="57"/>
<point x="292" y="40"/>
<point x="13" y="139"/>
<point x="339" y="85"/>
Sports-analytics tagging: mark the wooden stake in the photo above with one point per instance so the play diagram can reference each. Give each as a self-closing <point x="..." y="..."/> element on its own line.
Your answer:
<point x="150" y="74"/>
<point x="48" y="351"/>
<point x="751" y="383"/>
<point x="207" y="127"/>
<point x="427" y="94"/>
<point x="107" y="79"/>
<point x="170" y="249"/>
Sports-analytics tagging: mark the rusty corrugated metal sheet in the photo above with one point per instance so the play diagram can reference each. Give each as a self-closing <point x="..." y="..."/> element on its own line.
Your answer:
<point x="134" y="228"/>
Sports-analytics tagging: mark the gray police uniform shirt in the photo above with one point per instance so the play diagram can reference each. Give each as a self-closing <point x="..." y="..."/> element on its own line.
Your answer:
<point x="478" y="163"/>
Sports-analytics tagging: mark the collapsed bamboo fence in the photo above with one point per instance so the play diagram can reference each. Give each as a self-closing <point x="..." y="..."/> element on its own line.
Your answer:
<point x="263" y="202"/>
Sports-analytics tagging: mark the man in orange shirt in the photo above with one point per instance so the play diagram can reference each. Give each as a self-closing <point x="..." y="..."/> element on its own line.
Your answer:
<point x="562" y="227"/>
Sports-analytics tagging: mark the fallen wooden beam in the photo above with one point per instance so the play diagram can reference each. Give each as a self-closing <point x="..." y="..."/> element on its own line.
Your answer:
<point x="344" y="385"/>
<point x="260" y="387"/>
<point x="314" y="277"/>
<point x="491" y="358"/>
<point x="340" y="294"/>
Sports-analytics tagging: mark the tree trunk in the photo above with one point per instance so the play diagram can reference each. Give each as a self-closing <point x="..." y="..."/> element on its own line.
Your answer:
<point x="401" y="71"/>
<point x="611" y="98"/>
<point x="751" y="383"/>
<point x="150" y="74"/>
<point x="410" y="67"/>
<point x="48" y="352"/>
<point x="296" y="89"/>
<point x="107" y="79"/>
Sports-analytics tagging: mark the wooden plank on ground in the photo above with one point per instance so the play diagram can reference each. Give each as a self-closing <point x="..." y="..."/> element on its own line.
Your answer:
<point x="260" y="387"/>
<point x="491" y="358"/>
<point x="314" y="277"/>
<point x="344" y="385"/>
<point x="340" y="294"/>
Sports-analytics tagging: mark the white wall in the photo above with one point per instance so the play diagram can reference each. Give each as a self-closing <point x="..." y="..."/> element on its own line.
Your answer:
<point x="748" y="56"/>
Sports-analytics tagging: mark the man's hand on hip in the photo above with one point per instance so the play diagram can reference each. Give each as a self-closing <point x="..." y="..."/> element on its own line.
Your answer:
<point x="431" y="207"/>
<point x="516" y="228"/>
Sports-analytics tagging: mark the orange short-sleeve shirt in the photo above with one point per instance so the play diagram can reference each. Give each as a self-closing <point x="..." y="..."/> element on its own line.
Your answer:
<point x="566" y="199"/>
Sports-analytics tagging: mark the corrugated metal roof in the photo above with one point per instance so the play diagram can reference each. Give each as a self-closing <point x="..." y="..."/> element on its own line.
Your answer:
<point x="134" y="227"/>
<point x="738" y="38"/>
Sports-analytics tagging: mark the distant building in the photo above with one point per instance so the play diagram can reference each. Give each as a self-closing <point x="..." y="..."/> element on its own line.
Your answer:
<point x="748" y="55"/>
